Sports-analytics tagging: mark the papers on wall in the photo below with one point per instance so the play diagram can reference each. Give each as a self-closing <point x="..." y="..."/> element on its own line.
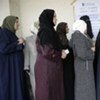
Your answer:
<point x="90" y="8"/>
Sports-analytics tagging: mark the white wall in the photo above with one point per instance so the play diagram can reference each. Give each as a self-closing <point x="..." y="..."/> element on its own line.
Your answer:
<point x="28" y="11"/>
<point x="4" y="9"/>
<point x="14" y="7"/>
<point x="15" y="10"/>
<point x="31" y="9"/>
<point x="10" y="7"/>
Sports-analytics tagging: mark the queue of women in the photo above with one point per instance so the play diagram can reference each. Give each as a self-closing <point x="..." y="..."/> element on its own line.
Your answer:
<point x="58" y="68"/>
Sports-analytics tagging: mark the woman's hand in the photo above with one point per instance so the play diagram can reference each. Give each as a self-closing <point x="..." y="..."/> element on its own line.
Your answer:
<point x="21" y="40"/>
<point x="93" y="49"/>
<point x="63" y="56"/>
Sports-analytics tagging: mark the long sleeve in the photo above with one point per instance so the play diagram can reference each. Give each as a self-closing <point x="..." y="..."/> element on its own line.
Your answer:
<point x="48" y="51"/>
<point x="81" y="49"/>
<point x="8" y="46"/>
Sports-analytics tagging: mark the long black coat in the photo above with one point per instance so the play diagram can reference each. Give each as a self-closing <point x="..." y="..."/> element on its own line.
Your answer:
<point x="68" y="69"/>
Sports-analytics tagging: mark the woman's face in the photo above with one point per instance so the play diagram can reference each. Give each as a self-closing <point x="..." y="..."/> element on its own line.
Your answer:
<point x="67" y="29"/>
<point x="16" y="26"/>
<point x="54" y="19"/>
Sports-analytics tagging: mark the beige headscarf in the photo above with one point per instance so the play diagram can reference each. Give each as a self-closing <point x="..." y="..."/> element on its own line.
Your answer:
<point x="80" y="25"/>
<point x="9" y="22"/>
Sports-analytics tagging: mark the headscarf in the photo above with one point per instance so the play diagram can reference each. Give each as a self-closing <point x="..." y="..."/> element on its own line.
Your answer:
<point x="89" y="27"/>
<point x="61" y="31"/>
<point x="9" y="23"/>
<point x="80" y="25"/>
<point x="34" y="27"/>
<point x="46" y="18"/>
<point x="61" y="28"/>
<point x="47" y="33"/>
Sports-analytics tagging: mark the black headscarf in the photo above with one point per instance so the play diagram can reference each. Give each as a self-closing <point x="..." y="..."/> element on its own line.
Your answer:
<point x="89" y="27"/>
<point x="46" y="18"/>
<point x="47" y="33"/>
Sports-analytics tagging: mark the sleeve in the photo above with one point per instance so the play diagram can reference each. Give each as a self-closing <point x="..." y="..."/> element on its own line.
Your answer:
<point x="7" y="47"/>
<point x="82" y="51"/>
<point x="48" y="52"/>
<point x="27" y="57"/>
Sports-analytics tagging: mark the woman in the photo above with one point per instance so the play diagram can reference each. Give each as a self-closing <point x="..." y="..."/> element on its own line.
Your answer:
<point x="68" y="63"/>
<point x="97" y="66"/>
<point x="30" y="58"/>
<point x="48" y="67"/>
<point x="11" y="61"/>
<point x="83" y="61"/>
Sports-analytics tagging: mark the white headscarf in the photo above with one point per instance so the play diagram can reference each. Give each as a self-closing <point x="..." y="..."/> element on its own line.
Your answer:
<point x="34" y="27"/>
<point x="80" y="25"/>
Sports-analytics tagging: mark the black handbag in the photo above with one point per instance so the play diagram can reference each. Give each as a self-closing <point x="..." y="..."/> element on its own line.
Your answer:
<point x="28" y="85"/>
